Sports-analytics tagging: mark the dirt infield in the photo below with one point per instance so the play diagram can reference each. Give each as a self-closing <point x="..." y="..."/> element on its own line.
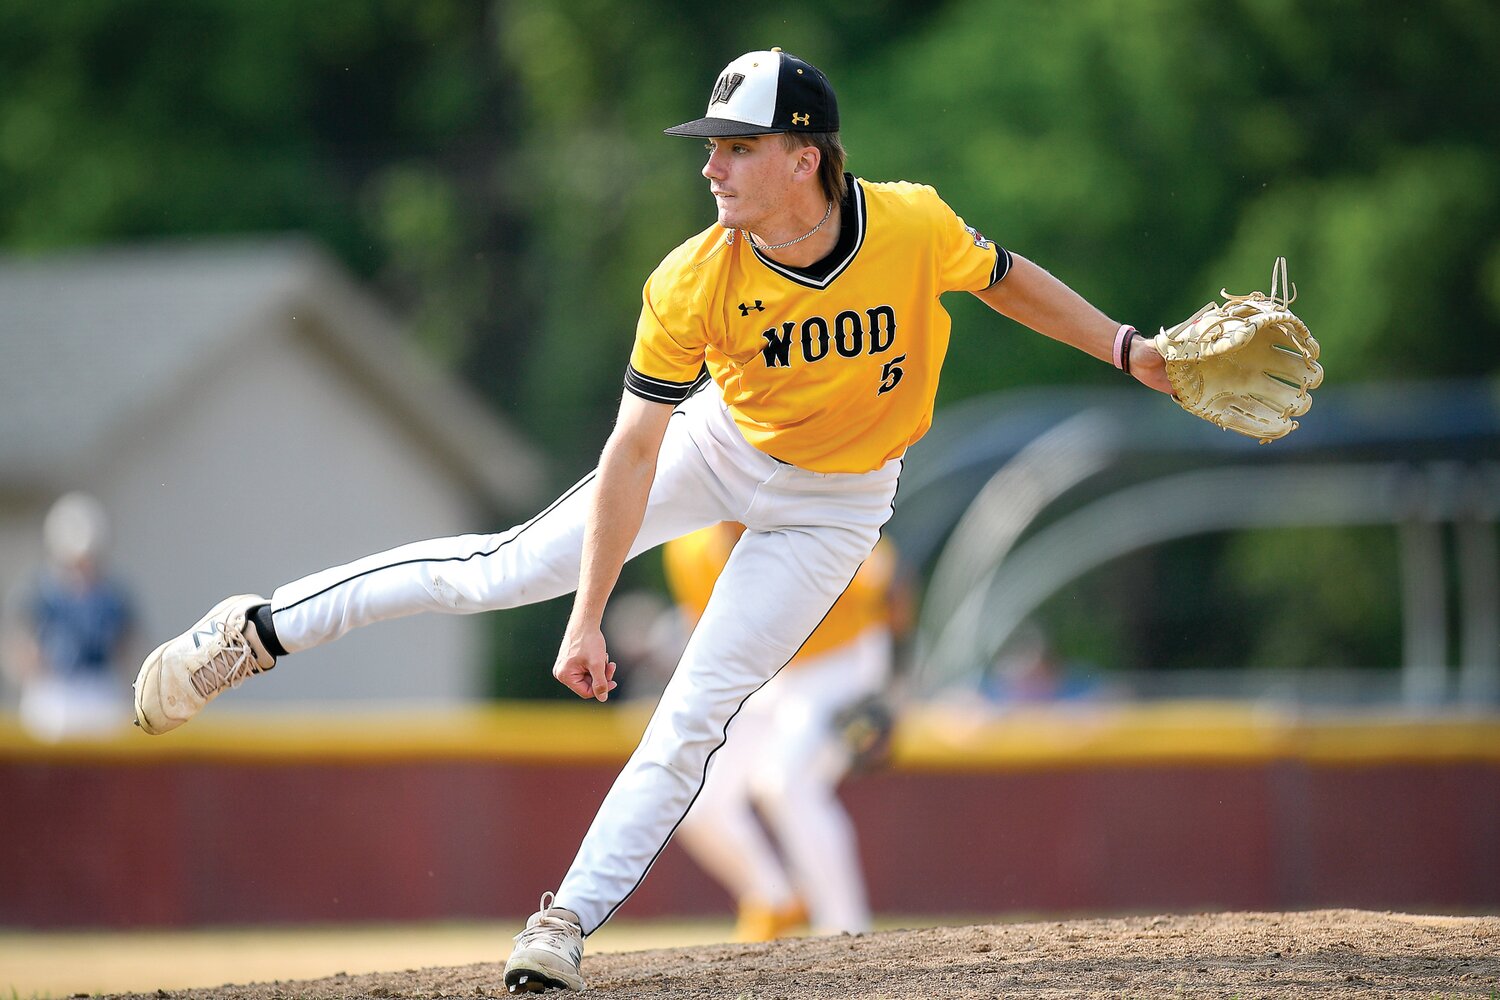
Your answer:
<point x="1324" y="953"/>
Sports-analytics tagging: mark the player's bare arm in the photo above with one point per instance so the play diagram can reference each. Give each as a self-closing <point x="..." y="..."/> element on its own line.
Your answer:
<point x="627" y="468"/>
<point x="1031" y="296"/>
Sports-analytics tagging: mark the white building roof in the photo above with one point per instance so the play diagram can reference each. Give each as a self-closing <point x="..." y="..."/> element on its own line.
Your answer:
<point x="94" y="343"/>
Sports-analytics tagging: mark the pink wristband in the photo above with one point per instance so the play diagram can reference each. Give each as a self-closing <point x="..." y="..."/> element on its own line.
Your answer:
<point x="1122" y="346"/>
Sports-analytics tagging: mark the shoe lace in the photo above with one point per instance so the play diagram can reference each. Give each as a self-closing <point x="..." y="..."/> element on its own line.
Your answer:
<point x="229" y="667"/>
<point x="554" y="933"/>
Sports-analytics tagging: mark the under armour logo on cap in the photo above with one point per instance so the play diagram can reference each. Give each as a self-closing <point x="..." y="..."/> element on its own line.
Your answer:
<point x="757" y="94"/>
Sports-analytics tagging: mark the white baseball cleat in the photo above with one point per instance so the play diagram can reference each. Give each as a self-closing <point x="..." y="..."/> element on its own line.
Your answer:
<point x="548" y="953"/>
<point x="188" y="672"/>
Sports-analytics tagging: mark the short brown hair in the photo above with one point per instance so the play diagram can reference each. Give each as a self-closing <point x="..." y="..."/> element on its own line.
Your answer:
<point x="831" y="164"/>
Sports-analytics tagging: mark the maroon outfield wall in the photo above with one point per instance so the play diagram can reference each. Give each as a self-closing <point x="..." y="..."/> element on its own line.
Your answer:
<point x="1188" y="808"/>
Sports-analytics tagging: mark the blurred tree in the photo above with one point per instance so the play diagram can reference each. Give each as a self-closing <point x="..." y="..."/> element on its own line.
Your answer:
<point x="487" y="163"/>
<point x="1150" y="152"/>
<point x="377" y="127"/>
<point x="1283" y="599"/>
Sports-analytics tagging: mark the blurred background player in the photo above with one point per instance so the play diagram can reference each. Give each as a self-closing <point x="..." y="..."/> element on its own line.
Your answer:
<point x="788" y="754"/>
<point x="71" y="630"/>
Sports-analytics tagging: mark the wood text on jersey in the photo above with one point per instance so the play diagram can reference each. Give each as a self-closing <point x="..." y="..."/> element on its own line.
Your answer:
<point x="849" y="335"/>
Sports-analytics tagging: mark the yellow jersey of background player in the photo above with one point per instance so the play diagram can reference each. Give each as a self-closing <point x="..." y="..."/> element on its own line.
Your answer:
<point x="694" y="561"/>
<point x="833" y="367"/>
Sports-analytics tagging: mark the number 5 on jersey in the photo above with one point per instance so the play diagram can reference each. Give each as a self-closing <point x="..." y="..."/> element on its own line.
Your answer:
<point x="890" y="374"/>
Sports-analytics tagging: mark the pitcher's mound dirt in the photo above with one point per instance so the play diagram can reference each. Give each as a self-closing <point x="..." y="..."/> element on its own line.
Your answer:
<point x="1326" y="953"/>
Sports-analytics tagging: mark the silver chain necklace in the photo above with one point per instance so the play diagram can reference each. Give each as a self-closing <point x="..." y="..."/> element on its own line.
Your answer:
<point x="778" y="246"/>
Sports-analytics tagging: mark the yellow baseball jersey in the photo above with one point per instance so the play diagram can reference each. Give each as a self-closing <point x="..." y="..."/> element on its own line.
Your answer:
<point x="694" y="561"/>
<point x="832" y="367"/>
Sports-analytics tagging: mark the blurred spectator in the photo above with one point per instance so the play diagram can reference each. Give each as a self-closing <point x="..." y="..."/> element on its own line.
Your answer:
<point x="797" y="860"/>
<point x="1030" y="671"/>
<point x="70" y="630"/>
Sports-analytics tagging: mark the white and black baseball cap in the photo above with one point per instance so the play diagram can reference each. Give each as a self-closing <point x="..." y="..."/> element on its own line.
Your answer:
<point x="762" y="93"/>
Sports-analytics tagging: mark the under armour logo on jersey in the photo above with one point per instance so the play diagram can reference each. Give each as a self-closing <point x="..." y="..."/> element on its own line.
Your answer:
<point x="725" y="88"/>
<point x="745" y="310"/>
<point x="798" y="118"/>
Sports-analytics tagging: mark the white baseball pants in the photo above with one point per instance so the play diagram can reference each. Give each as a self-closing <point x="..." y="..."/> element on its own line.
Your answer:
<point x="787" y="758"/>
<point x="807" y="534"/>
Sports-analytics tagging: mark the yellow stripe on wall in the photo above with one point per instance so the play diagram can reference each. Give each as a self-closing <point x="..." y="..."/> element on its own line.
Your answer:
<point x="534" y="731"/>
<point x="945" y="739"/>
<point x="929" y="738"/>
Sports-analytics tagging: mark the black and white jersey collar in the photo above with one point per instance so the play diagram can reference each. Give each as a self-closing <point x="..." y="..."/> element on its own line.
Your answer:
<point x="821" y="274"/>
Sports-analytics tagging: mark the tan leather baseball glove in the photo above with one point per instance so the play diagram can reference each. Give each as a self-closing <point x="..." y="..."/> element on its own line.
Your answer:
<point x="1248" y="365"/>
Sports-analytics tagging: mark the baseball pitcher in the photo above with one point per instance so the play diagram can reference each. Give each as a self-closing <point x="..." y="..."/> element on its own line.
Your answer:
<point x="784" y="361"/>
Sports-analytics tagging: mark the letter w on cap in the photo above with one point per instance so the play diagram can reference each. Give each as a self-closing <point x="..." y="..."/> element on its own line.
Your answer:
<point x="725" y="88"/>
